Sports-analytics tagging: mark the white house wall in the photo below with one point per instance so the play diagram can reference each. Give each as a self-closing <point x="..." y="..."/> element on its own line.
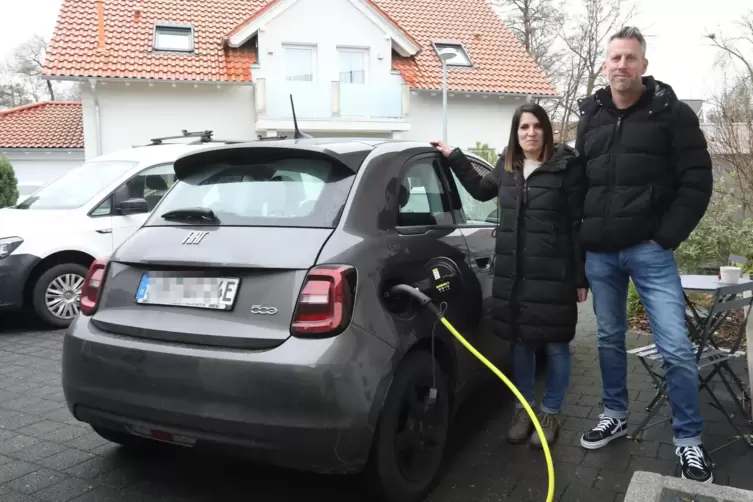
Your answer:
<point x="328" y="25"/>
<point x="470" y="118"/>
<point x="132" y="114"/>
<point x="37" y="167"/>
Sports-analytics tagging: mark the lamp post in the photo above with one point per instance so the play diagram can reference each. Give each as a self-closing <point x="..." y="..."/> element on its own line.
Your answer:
<point x="444" y="57"/>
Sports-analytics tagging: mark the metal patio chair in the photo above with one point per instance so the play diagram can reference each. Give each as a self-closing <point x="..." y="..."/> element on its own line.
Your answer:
<point x="713" y="361"/>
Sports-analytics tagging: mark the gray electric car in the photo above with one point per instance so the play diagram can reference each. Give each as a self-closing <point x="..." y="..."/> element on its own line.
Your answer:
<point x="252" y="311"/>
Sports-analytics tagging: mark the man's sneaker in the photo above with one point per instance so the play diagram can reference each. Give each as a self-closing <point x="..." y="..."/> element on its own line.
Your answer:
<point x="605" y="431"/>
<point x="520" y="428"/>
<point x="549" y="425"/>
<point x="694" y="464"/>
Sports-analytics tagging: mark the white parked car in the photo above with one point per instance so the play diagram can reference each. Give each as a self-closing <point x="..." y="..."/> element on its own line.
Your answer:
<point x="50" y="238"/>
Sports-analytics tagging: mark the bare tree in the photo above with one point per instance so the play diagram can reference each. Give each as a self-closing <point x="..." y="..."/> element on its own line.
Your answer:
<point x="13" y="91"/>
<point x="587" y="39"/>
<point x="536" y="24"/>
<point x="29" y="62"/>
<point x="585" y="36"/>
<point x="21" y="77"/>
<point x="730" y="131"/>
<point x="737" y="49"/>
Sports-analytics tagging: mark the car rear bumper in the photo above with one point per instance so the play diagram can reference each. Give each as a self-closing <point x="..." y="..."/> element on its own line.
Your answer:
<point x="307" y="404"/>
<point x="14" y="270"/>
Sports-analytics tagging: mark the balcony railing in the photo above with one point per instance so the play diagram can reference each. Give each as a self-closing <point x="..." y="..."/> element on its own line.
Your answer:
<point x="332" y="100"/>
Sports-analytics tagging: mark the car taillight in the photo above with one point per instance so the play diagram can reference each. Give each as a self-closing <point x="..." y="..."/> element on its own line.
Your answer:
<point x="92" y="286"/>
<point x="325" y="304"/>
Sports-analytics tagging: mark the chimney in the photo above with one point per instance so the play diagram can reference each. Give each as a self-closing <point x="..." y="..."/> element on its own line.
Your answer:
<point x="101" y="24"/>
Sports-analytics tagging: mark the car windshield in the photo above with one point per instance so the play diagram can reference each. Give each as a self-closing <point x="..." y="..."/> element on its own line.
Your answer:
<point x="76" y="187"/>
<point x="287" y="192"/>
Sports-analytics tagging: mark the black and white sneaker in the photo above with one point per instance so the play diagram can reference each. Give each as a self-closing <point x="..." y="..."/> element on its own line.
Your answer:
<point x="694" y="464"/>
<point x="605" y="431"/>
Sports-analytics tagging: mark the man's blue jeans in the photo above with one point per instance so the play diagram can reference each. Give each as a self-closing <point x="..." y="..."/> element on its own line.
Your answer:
<point x="557" y="375"/>
<point x="657" y="280"/>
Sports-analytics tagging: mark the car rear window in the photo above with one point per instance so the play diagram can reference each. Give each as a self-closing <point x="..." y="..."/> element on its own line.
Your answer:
<point x="285" y="192"/>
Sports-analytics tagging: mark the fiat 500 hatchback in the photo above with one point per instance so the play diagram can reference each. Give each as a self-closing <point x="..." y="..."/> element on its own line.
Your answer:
<point x="249" y="311"/>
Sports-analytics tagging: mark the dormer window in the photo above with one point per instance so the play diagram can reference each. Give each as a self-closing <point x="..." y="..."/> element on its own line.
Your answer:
<point x="173" y="37"/>
<point x="461" y="56"/>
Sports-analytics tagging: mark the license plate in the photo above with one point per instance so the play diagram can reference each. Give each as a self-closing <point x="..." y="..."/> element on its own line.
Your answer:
<point x="216" y="293"/>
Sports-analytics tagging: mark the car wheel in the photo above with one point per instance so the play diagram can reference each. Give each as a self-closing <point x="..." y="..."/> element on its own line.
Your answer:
<point x="410" y="440"/>
<point x="57" y="294"/>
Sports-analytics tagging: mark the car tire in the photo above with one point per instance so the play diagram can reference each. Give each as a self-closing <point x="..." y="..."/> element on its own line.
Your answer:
<point x="388" y="476"/>
<point x="63" y="273"/>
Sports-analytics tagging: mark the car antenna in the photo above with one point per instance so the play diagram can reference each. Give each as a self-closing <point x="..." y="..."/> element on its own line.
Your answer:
<point x="297" y="134"/>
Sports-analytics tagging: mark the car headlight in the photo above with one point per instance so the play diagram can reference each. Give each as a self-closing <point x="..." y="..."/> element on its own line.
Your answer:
<point x="8" y="245"/>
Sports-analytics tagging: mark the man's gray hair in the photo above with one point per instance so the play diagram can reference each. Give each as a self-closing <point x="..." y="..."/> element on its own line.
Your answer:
<point x="627" y="32"/>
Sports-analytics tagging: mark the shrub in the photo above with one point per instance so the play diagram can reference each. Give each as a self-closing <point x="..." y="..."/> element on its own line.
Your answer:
<point x="634" y="305"/>
<point x="485" y="152"/>
<point x="8" y="184"/>
<point x="722" y="231"/>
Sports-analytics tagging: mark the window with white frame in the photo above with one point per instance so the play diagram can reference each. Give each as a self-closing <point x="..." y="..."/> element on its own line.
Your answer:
<point x="174" y="38"/>
<point x="352" y="65"/>
<point x="300" y="63"/>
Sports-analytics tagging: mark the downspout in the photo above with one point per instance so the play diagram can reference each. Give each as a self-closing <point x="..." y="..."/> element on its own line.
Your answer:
<point x="97" y="116"/>
<point x="101" y="46"/>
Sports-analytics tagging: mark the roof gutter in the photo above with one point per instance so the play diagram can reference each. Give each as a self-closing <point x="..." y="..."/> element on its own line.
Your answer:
<point x="146" y="80"/>
<point x="489" y="93"/>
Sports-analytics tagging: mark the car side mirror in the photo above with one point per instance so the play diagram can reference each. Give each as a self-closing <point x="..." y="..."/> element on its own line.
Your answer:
<point x="133" y="206"/>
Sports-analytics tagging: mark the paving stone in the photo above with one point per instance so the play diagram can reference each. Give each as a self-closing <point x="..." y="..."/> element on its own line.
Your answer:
<point x="8" y="495"/>
<point x="35" y="481"/>
<point x="38" y="451"/>
<point x="65" y="459"/>
<point x="67" y="489"/>
<point x="580" y="493"/>
<point x="46" y="454"/>
<point x="15" y="469"/>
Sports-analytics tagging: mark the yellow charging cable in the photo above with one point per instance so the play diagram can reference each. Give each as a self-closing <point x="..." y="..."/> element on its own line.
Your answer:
<point x="536" y="424"/>
<point x="425" y="301"/>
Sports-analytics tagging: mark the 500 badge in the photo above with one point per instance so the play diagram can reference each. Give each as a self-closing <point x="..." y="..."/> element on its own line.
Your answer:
<point x="263" y="310"/>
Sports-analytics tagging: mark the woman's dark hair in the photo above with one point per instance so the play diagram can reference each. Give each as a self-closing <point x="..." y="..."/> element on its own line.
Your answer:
<point x="514" y="155"/>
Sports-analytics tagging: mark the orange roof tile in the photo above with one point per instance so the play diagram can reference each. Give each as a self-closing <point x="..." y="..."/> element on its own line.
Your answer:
<point x="52" y="124"/>
<point x="500" y="62"/>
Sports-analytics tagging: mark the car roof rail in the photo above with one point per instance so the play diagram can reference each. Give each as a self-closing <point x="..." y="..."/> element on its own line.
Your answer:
<point x="202" y="137"/>
<point x="270" y="138"/>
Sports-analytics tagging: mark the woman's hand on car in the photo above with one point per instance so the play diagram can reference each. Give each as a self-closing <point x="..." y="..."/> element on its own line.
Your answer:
<point x="582" y="294"/>
<point x="442" y="147"/>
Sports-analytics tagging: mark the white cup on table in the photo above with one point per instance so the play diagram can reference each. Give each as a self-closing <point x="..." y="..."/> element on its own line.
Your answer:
<point x="730" y="275"/>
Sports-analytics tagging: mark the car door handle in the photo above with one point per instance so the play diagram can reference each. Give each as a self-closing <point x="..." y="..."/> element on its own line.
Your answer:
<point x="483" y="262"/>
<point x="104" y="230"/>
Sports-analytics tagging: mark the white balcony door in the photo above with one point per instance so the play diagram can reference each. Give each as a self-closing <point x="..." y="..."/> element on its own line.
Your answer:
<point x="299" y="63"/>
<point x="352" y="65"/>
<point x="310" y="93"/>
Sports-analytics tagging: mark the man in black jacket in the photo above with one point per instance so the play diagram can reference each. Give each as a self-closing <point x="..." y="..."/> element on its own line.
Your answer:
<point x="649" y="184"/>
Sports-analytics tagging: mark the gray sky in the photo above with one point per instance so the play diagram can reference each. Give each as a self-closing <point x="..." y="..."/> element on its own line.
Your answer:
<point x="677" y="51"/>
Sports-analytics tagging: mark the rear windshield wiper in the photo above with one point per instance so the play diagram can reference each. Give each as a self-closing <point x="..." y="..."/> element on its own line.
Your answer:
<point x="191" y="213"/>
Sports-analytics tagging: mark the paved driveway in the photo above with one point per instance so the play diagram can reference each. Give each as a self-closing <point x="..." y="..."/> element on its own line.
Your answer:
<point x="47" y="455"/>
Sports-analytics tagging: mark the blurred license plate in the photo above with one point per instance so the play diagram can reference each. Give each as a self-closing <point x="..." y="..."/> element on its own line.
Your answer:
<point x="216" y="293"/>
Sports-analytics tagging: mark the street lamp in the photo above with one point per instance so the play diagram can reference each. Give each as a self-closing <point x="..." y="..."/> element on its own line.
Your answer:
<point x="444" y="57"/>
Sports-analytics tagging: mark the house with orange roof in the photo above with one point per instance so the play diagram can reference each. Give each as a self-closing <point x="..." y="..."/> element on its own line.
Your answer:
<point x="42" y="141"/>
<point x="150" y="68"/>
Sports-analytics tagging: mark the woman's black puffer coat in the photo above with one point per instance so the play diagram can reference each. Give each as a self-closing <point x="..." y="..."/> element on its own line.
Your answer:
<point x="539" y="263"/>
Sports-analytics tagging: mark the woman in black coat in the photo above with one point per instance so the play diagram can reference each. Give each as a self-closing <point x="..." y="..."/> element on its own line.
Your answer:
<point x="539" y="268"/>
